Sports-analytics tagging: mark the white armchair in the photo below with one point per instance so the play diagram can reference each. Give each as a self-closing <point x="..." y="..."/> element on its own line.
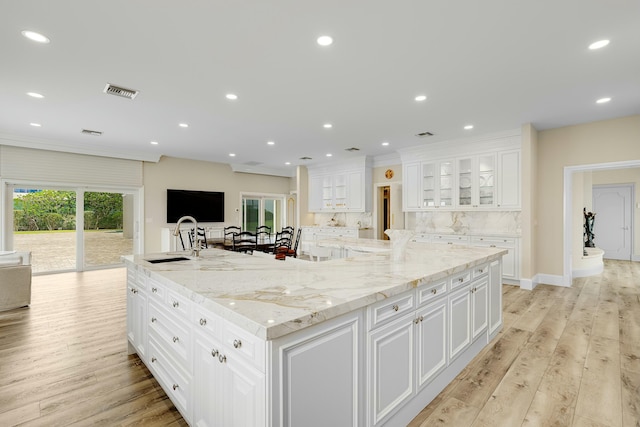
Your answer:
<point x="15" y="280"/>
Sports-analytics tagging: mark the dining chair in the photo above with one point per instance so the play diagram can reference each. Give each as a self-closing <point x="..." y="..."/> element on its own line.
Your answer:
<point x="245" y="241"/>
<point x="282" y="239"/>
<point x="263" y="236"/>
<point x="199" y="240"/>
<point x="294" y="251"/>
<point x="228" y="235"/>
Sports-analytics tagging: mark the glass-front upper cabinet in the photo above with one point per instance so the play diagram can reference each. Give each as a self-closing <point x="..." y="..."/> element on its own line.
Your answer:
<point x="437" y="184"/>
<point x="476" y="181"/>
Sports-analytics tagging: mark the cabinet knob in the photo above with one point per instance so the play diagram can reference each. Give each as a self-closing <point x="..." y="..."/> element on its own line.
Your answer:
<point x="176" y="386"/>
<point x="203" y="322"/>
<point x="395" y="307"/>
<point x="237" y="343"/>
<point x="461" y="279"/>
<point x="481" y="271"/>
<point x="434" y="291"/>
<point x="222" y="358"/>
<point x="176" y="304"/>
<point x="176" y="339"/>
<point x="421" y="318"/>
<point x="214" y="353"/>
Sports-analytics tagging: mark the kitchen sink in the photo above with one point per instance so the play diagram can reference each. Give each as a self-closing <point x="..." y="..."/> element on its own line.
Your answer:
<point x="161" y="260"/>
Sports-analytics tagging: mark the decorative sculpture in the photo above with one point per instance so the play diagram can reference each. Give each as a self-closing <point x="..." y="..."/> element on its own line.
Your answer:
<point x="589" y="219"/>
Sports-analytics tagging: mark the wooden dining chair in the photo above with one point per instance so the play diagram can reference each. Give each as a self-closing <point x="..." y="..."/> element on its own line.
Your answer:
<point x="228" y="235"/>
<point x="199" y="239"/>
<point x="263" y="236"/>
<point x="245" y="241"/>
<point x="293" y="252"/>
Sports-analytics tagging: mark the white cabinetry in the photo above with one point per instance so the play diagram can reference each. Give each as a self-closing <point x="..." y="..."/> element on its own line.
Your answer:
<point x="407" y="345"/>
<point x="137" y="311"/>
<point x="488" y="177"/>
<point x="510" y="261"/>
<point x="345" y="187"/>
<point x="509" y="184"/>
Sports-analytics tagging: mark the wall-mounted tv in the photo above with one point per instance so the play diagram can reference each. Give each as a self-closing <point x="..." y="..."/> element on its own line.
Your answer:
<point x="204" y="206"/>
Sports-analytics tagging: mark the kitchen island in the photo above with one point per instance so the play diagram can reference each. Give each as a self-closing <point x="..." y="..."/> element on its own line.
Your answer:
<point x="240" y="339"/>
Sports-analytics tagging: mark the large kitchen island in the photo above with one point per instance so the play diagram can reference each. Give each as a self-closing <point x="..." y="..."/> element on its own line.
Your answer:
<point x="248" y="340"/>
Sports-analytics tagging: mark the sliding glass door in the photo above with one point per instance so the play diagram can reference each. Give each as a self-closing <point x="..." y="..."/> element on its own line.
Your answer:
<point x="260" y="210"/>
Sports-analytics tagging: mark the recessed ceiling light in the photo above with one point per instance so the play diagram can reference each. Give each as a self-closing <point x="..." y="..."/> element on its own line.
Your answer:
<point x="385" y="143"/>
<point x="287" y="163"/>
<point x="271" y="143"/>
<point x="36" y="37"/>
<point x="154" y="143"/>
<point x="599" y="44"/>
<point x="603" y="100"/>
<point x="36" y="125"/>
<point x="327" y="125"/>
<point x="324" y="40"/>
<point x="467" y="127"/>
<point x="232" y="154"/>
<point x="420" y="98"/>
<point x="329" y="154"/>
<point x="35" y="95"/>
<point x="231" y="96"/>
<point x="183" y="125"/>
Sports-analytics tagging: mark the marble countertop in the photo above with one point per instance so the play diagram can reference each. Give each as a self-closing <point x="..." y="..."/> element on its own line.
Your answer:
<point x="272" y="298"/>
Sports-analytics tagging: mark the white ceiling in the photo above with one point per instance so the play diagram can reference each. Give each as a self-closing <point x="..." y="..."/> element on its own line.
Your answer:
<point x="496" y="64"/>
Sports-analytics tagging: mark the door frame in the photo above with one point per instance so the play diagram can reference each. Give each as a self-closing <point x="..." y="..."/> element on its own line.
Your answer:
<point x="376" y="192"/>
<point x="261" y="196"/>
<point x="567" y="214"/>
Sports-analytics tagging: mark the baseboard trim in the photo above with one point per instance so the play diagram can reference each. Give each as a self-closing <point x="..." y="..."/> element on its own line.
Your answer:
<point x="590" y="271"/>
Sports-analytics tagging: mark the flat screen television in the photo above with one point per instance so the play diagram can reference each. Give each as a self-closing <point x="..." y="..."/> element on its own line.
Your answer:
<point x="204" y="206"/>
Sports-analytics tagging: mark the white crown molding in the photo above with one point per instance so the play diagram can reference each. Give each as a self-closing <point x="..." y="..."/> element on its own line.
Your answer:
<point x="260" y="170"/>
<point x="43" y="144"/>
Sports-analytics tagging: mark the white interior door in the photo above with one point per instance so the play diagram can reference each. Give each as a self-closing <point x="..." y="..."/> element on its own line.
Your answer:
<point x="612" y="226"/>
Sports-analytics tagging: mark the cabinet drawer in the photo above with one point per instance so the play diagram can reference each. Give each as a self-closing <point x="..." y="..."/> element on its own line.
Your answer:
<point x="242" y="343"/>
<point x="175" y="383"/>
<point x="460" y="279"/>
<point x="178" y="305"/>
<point x="430" y="292"/>
<point x="204" y="320"/>
<point x="173" y="335"/>
<point x="480" y="270"/>
<point x="421" y="238"/>
<point x="390" y="309"/>
<point x="156" y="292"/>
<point x="502" y="242"/>
<point x="458" y="240"/>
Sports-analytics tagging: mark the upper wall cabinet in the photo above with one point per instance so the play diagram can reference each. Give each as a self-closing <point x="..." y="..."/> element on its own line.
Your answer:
<point x="344" y="187"/>
<point x="487" y="176"/>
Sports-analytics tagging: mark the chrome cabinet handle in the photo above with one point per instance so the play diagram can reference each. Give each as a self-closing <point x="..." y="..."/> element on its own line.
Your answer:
<point x="203" y="322"/>
<point x="237" y="343"/>
<point x="492" y="246"/>
<point x="175" y="386"/>
<point x="214" y="353"/>
<point x="434" y="291"/>
<point x="481" y="271"/>
<point x="418" y="320"/>
<point x="461" y="280"/>
<point x="154" y="290"/>
<point x="153" y="360"/>
<point x="153" y="320"/>
<point x="222" y="358"/>
<point x="395" y="307"/>
<point x="176" y="339"/>
<point x="176" y="304"/>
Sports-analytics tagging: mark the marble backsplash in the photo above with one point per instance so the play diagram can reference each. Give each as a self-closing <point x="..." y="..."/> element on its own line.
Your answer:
<point x="344" y="219"/>
<point x="463" y="222"/>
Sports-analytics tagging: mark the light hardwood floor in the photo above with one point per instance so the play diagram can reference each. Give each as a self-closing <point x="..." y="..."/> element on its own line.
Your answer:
<point x="565" y="357"/>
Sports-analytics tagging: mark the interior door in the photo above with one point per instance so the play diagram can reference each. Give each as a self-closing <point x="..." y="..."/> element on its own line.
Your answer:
<point x="612" y="226"/>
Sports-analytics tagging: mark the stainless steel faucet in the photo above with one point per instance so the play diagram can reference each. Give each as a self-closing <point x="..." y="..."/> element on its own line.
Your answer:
<point x="195" y="247"/>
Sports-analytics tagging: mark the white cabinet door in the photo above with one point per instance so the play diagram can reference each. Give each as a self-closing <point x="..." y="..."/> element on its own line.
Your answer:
<point x="459" y="321"/>
<point x="208" y="404"/>
<point x="431" y="342"/>
<point x="495" y="297"/>
<point x="244" y="394"/>
<point x="509" y="176"/>
<point x="136" y="315"/>
<point x="391" y="372"/>
<point x="411" y="188"/>
<point x="480" y="301"/>
<point x="315" y="193"/>
<point x="355" y="191"/>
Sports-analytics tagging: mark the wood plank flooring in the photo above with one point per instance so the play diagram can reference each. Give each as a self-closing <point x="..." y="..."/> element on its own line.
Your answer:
<point x="565" y="357"/>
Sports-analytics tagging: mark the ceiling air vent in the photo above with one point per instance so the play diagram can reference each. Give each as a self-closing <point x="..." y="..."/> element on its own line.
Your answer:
<point x="91" y="132"/>
<point x="352" y="149"/>
<point x="305" y="158"/>
<point x="424" y="134"/>
<point x="252" y="163"/>
<point x="110" y="89"/>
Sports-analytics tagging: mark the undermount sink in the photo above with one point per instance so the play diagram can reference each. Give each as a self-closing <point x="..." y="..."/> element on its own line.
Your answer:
<point x="161" y="260"/>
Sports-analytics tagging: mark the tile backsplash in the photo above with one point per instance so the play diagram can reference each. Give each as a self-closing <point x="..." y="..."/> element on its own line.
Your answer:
<point x="344" y="219"/>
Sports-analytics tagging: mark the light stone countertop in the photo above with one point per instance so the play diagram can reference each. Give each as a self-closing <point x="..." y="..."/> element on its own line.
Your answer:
<point x="272" y="298"/>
